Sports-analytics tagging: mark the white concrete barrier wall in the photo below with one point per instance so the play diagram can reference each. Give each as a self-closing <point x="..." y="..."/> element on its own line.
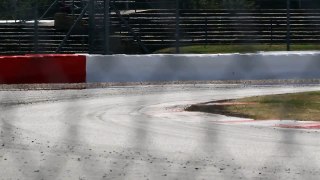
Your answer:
<point x="255" y="66"/>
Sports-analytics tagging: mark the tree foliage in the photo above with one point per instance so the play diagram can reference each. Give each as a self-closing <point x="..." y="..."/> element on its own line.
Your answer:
<point x="22" y="9"/>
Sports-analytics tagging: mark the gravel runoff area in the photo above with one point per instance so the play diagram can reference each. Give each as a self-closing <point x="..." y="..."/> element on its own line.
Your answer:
<point x="58" y="86"/>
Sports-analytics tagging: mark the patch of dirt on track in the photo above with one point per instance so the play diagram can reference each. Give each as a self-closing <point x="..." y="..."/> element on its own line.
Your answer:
<point x="219" y="107"/>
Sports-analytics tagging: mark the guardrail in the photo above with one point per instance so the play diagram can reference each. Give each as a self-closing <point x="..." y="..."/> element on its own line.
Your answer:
<point x="147" y="68"/>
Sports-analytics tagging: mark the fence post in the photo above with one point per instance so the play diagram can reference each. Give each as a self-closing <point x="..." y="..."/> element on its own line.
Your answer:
<point x="206" y="29"/>
<point x="72" y="10"/>
<point x="15" y="12"/>
<point x="288" y="25"/>
<point x="106" y="27"/>
<point x="91" y="25"/>
<point x="135" y="7"/>
<point x="19" y="35"/>
<point x="177" y="34"/>
<point x="36" y="28"/>
<point x="271" y="31"/>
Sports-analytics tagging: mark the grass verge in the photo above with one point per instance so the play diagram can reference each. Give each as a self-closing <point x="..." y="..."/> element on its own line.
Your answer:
<point x="212" y="49"/>
<point x="298" y="106"/>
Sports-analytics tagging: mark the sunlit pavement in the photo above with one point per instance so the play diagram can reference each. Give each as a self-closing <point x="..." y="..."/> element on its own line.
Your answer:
<point x="141" y="132"/>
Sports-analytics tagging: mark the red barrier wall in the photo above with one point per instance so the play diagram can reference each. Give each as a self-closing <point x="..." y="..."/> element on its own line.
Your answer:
<point x="42" y="69"/>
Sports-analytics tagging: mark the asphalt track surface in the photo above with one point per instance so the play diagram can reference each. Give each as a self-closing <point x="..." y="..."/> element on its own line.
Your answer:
<point x="141" y="132"/>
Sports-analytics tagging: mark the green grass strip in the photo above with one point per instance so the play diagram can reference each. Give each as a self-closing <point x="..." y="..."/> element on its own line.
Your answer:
<point x="214" y="49"/>
<point x="297" y="106"/>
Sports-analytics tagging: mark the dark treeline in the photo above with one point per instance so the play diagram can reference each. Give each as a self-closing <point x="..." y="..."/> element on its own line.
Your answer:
<point x="16" y="9"/>
<point x="241" y="4"/>
<point x="22" y="9"/>
<point x="295" y="4"/>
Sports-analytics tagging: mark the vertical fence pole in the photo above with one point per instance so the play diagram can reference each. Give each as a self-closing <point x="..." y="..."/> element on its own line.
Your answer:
<point x="288" y="25"/>
<point x="15" y="12"/>
<point x="300" y="5"/>
<point x="271" y="31"/>
<point x="177" y="34"/>
<point x="206" y="29"/>
<point x="72" y="10"/>
<point x="36" y="28"/>
<point x="107" y="27"/>
<point x="91" y="26"/>
<point x="19" y="35"/>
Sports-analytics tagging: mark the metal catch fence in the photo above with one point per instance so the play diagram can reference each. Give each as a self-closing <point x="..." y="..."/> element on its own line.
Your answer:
<point x="146" y="26"/>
